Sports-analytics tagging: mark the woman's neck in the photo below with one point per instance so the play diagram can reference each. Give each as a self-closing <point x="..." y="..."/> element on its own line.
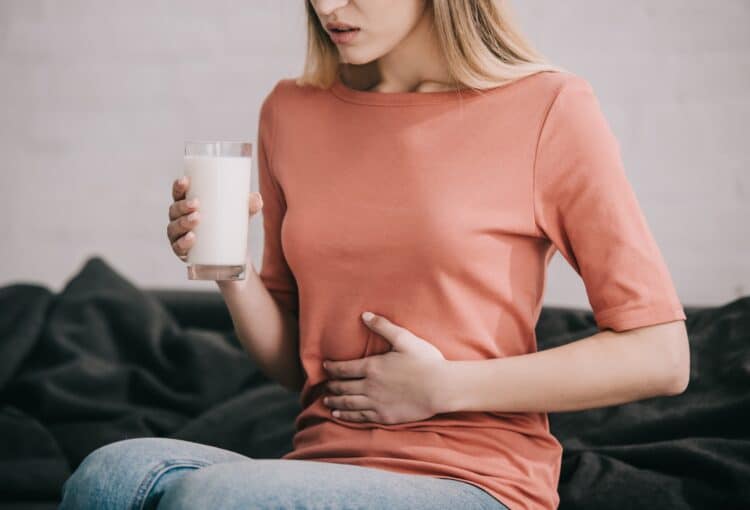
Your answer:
<point x="416" y="64"/>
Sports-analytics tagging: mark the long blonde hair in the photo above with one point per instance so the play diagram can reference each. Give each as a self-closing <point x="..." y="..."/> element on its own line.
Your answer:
<point x="480" y="39"/>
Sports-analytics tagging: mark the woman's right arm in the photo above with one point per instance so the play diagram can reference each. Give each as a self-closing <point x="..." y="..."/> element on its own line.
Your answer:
<point x="267" y="331"/>
<point x="264" y="307"/>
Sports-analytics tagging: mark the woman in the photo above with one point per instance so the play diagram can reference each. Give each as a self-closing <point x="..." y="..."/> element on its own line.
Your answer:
<point x="424" y="168"/>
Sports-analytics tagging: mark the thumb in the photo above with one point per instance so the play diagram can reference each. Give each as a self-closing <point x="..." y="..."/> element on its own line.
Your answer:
<point x="256" y="203"/>
<point x="400" y="338"/>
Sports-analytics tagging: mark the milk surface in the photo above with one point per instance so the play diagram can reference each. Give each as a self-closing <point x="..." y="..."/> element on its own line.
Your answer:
<point x="222" y="185"/>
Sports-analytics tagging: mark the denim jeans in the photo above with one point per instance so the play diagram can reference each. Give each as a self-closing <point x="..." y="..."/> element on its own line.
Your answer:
<point x="170" y="474"/>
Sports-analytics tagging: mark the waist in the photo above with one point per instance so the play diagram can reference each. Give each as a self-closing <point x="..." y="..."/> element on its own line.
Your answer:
<point x="512" y="455"/>
<point x="527" y="425"/>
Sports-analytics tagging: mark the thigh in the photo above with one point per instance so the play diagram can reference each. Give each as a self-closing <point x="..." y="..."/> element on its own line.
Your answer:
<point x="306" y="484"/>
<point x="133" y="473"/>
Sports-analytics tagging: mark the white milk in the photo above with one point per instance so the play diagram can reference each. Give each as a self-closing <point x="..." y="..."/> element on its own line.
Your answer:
<point x="222" y="185"/>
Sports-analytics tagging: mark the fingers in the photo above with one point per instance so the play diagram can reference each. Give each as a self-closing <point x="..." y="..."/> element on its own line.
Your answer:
<point x="256" y="203"/>
<point x="182" y="225"/>
<point x="183" y="216"/>
<point x="182" y="207"/>
<point x="346" y="387"/>
<point x="353" y="402"/>
<point x="180" y="187"/>
<point x="183" y="244"/>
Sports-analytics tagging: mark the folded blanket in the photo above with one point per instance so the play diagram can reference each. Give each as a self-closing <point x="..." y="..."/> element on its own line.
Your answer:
<point x="103" y="360"/>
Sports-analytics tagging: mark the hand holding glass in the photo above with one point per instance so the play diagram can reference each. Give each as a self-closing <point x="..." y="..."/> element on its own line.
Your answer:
<point x="215" y="228"/>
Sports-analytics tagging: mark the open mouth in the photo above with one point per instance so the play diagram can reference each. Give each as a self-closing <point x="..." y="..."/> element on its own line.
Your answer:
<point x="343" y="34"/>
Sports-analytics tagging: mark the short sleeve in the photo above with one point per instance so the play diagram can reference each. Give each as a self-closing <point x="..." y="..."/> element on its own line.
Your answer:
<point x="275" y="272"/>
<point x="585" y="205"/>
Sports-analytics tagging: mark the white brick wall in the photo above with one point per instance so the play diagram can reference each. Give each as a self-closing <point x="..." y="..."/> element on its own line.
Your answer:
<point x="96" y="98"/>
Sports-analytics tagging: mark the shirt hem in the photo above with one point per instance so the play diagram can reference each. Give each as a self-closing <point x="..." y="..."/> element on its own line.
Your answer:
<point x="629" y="317"/>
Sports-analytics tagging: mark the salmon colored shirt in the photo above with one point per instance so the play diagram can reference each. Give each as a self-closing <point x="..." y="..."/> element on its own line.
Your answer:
<point x="441" y="212"/>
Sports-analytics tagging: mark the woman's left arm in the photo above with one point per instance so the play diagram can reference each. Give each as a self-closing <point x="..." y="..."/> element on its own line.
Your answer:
<point x="414" y="381"/>
<point x="607" y="368"/>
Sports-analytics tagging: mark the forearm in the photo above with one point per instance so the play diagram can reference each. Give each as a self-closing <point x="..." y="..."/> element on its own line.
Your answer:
<point x="269" y="333"/>
<point x="607" y="368"/>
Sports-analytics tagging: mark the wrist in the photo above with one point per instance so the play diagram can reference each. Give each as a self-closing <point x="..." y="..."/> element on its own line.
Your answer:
<point x="446" y="394"/>
<point x="229" y="286"/>
<point x="226" y="286"/>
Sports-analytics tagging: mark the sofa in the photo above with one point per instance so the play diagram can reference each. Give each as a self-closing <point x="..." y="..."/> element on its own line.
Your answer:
<point x="103" y="360"/>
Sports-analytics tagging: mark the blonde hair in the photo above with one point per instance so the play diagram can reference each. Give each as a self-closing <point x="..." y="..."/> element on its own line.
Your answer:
<point x="480" y="39"/>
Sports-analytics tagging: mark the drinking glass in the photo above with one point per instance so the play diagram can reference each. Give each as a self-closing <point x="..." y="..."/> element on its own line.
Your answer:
<point x="219" y="173"/>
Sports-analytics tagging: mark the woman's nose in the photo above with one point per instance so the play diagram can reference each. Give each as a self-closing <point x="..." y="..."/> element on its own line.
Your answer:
<point x="326" y="7"/>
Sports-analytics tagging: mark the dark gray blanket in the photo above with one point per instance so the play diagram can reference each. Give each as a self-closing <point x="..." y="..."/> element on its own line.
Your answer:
<point x="103" y="360"/>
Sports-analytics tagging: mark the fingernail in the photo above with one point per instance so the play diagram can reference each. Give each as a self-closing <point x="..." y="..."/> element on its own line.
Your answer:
<point x="189" y="235"/>
<point x="325" y="400"/>
<point x="192" y="216"/>
<point x="367" y="316"/>
<point x="183" y="180"/>
<point x="192" y="202"/>
<point x="336" y="412"/>
<point x="325" y="364"/>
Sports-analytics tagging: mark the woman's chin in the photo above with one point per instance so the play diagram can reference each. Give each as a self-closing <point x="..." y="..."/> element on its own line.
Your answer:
<point x="348" y="56"/>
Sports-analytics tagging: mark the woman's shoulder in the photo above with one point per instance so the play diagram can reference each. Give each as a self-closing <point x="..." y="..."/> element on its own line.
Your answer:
<point x="287" y="97"/>
<point x="287" y="90"/>
<point x="552" y="83"/>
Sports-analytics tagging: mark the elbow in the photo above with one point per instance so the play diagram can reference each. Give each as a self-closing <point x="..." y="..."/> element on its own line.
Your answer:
<point x="679" y="382"/>
<point x="677" y="361"/>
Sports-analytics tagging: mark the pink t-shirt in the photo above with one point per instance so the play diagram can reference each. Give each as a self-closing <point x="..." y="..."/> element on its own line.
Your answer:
<point x="441" y="211"/>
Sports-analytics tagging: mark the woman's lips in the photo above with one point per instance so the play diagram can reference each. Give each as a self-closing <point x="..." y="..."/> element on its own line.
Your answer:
<point x="343" y="37"/>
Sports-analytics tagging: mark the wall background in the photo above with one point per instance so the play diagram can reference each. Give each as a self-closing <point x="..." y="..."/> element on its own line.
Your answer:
<point x="96" y="99"/>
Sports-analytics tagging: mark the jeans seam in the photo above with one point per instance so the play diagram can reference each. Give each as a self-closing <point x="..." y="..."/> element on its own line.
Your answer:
<point x="153" y="475"/>
<point x="481" y="499"/>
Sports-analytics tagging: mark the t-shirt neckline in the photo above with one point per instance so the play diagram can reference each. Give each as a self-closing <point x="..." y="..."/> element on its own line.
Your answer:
<point x="368" y="97"/>
<point x="346" y="93"/>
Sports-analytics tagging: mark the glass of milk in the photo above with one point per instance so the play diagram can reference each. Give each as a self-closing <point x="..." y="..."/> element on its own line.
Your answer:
<point x="219" y="175"/>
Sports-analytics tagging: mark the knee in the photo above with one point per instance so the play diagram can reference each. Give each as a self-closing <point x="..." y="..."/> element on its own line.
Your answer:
<point x="263" y="484"/>
<point x="217" y="486"/>
<point x="107" y="458"/>
<point x="103" y="470"/>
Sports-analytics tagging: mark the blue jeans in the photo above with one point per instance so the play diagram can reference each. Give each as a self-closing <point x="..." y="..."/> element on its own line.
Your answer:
<point x="170" y="474"/>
